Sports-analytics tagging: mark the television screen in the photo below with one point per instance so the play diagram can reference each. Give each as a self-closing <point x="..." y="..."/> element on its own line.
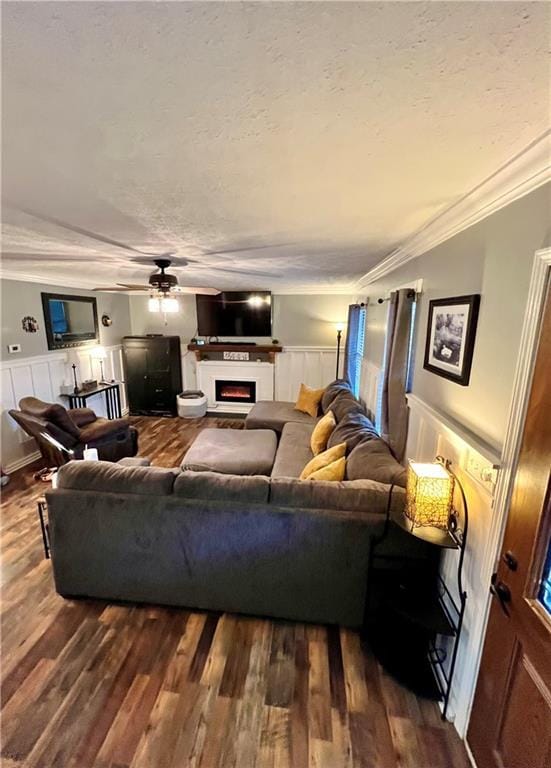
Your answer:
<point x="71" y="321"/>
<point x="235" y="313"/>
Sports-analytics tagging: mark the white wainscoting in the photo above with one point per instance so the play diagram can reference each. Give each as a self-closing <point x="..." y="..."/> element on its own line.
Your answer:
<point x="42" y="376"/>
<point x="370" y="382"/>
<point x="432" y="433"/>
<point x="314" y="366"/>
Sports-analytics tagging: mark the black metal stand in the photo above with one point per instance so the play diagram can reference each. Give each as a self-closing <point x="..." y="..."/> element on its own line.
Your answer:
<point x="44" y="527"/>
<point x="112" y="398"/>
<point x="422" y="608"/>
<point x="339" y="334"/>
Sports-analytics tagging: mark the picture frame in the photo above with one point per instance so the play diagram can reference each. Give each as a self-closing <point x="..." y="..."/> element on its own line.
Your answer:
<point x="451" y="332"/>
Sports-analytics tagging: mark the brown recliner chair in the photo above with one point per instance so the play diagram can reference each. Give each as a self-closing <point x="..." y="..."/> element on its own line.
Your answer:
<point x="74" y="429"/>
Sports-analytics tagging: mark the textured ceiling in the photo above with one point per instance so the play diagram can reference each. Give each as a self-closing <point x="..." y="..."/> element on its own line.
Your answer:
<point x="307" y="139"/>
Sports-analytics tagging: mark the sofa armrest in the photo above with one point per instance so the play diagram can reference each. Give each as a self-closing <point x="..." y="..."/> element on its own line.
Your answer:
<point x="134" y="461"/>
<point x="82" y="416"/>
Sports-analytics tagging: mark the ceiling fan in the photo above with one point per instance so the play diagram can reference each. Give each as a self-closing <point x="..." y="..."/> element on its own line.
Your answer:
<point x="160" y="283"/>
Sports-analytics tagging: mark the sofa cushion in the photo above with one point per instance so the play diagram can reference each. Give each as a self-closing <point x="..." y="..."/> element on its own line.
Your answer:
<point x="331" y="392"/>
<point x="323" y="459"/>
<point x="101" y="428"/>
<point x="353" y="429"/>
<point x="353" y="495"/>
<point x="333" y="472"/>
<point x="213" y="486"/>
<point x="232" y="452"/>
<point x="53" y="412"/>
<point x="294" y="450"/>
<point x="134" y="461"/>
<point x="322" y="432"/>
<point x="308" y="400"/>
<point x="268" y="414"/>
<point x="344" y="404"/>
<point x="373" y="460"/>
<point x="107" y="477"/>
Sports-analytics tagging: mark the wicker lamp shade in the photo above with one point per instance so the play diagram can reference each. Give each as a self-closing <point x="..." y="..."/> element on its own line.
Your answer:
<point x="429" y="495"/>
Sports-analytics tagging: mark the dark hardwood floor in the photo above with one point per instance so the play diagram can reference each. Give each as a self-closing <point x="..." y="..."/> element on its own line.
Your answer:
<point x="88" y="683"/>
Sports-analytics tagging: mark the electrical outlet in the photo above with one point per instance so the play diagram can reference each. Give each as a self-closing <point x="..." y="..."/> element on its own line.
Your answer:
<point x="14" y="348"/>
<point x="482" y="470"/>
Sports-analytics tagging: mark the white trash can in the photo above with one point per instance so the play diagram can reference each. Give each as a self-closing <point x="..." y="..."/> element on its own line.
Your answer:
<point x="192" y="404"/>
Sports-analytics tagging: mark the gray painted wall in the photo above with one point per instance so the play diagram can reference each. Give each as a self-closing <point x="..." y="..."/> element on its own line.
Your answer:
<point x="298" y="320"/>
<point x="21" y="298"/>
<point x="493" y="258"/>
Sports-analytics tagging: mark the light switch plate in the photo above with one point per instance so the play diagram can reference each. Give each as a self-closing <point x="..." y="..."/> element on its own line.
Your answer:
<point x="14" y="348"/>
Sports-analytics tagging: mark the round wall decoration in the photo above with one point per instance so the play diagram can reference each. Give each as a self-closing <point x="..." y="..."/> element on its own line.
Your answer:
<point x="106" y="320"/>
<point x="29" y="324"/>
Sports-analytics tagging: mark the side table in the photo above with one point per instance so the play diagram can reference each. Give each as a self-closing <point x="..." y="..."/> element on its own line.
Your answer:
<point x="112" y="398"/>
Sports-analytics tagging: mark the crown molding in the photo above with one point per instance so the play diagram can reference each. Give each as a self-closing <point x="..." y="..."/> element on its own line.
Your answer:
<point x="524" y="173"/>
<point x="61" y="282"/>
<point x="87" y="285"/>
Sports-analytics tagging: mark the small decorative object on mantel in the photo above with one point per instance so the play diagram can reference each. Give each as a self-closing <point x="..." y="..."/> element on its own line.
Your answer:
<point x="89" y="384"/>
<point x="236" y="356"/>
<point x="106" y="320"/>
<point x="29" y="324"/>
<point x="451" y="331"/>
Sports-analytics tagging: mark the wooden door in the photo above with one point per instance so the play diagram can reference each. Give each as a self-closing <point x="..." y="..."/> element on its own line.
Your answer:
<point x="510" y="724"/>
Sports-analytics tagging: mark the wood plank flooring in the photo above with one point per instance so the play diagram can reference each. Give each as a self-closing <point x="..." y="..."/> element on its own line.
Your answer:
<point x="88" y="684"/>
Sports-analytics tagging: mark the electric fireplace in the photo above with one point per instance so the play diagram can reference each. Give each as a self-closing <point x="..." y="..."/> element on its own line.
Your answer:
<point x="230" y="391"/>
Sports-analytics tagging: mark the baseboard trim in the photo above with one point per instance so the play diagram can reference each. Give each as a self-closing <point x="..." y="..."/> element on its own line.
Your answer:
<point x="9" y="469"/>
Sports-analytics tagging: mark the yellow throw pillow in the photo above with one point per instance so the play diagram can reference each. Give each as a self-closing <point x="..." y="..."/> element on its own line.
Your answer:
<point x="333" y="471"/>
<point x="322" y="433"/>
<point x="308" y="400"/>
<point x="323" y="459"/>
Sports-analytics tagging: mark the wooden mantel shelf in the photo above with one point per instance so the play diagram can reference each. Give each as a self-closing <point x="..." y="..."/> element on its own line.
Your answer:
<point x="268" y="349"/>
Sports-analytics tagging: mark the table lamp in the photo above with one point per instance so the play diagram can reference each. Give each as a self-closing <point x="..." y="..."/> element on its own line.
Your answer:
<point x="99" y="353"/>
<point x="429" y="495"/>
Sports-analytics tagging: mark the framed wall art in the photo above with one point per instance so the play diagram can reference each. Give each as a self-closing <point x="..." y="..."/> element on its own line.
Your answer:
<point x="451" y="331"/>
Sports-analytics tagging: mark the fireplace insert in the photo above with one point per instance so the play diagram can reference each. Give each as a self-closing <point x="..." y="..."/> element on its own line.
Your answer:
<point x="228" y="391"/>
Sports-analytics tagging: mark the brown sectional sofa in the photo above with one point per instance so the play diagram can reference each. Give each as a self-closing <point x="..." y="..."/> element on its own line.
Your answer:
<point x="263" y="544"/>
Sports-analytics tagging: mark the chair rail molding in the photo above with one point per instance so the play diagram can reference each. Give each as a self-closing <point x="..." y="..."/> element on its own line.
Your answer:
<point x="539" y="282"/>
<point x="433" y="433"/>
<point x="523" y="173"/>
<point x="43" y="376"/>
<point x="311" y="365"/>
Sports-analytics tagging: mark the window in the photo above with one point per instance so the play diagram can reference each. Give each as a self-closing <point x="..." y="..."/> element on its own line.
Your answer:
<point x="355" y="338"/>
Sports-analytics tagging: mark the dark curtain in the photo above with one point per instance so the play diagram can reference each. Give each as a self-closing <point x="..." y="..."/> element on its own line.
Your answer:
<point x="354" y="348"/>
<point x="394" y="410"/>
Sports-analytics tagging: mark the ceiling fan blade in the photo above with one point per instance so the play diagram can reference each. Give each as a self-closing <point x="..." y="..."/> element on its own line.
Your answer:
<point x="44" y="257"/>
<point x="201" y="291"/>
<point x="136" y="287"/>
<point x="85" y="232"/>
<point x="249" y="272"/>
<point x="122" y="289"/>
<point x="247" y="248"/>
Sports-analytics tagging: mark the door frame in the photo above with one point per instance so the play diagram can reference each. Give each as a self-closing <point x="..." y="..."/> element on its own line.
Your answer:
<point x="541" y="276"/>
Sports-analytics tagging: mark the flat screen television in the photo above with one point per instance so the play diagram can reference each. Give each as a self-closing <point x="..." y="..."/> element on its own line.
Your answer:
<point x="70" y="321"/>
<point x="235" y="313"/>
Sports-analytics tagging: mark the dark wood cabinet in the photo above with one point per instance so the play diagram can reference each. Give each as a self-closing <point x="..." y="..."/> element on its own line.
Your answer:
<point x="153" y="374"/>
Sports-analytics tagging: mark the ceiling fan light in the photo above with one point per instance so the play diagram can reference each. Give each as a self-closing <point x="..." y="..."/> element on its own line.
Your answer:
<point x="154" y="304"/>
